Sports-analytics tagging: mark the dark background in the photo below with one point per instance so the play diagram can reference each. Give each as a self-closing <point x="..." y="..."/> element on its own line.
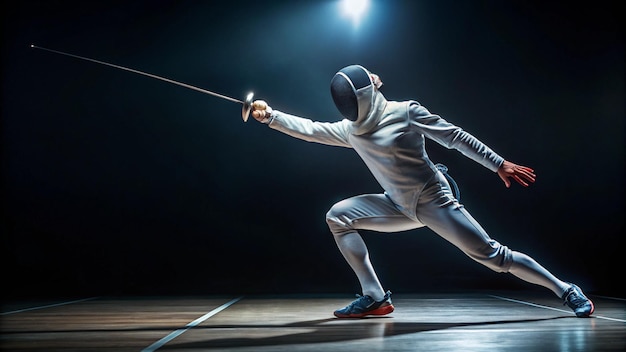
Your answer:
<point x="118" y="184"/>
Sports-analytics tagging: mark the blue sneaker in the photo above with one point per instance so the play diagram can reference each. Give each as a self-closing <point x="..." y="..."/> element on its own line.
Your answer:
<point x="576" y="299"/>
<point x="366" y="305"/>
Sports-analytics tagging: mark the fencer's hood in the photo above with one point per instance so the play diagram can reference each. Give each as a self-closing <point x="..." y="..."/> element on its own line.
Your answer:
<point x="355" y="95"/>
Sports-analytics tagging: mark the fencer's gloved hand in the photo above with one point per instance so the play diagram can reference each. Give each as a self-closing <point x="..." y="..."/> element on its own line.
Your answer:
<point x="261" y="111"/>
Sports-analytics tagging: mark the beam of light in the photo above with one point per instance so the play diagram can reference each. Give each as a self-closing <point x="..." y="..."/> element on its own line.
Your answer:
<point x="354" y="9"/>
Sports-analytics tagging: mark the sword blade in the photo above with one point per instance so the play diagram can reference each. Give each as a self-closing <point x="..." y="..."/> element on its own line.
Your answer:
<point x="144" y="74"/>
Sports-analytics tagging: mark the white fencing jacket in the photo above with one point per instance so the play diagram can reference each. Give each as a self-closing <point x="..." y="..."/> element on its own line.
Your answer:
<point x="389" y="137"/>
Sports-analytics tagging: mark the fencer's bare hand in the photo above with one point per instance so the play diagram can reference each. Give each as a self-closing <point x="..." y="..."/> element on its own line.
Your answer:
<point x="261" y="111"/>
<point x="521" y="174"/>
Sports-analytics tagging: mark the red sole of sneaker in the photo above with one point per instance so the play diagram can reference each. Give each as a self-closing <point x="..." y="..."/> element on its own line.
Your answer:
<point x="593" y="308"/>
<point x="378" y="311"/>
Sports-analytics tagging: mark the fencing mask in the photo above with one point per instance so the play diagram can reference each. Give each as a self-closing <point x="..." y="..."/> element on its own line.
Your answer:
<point x="352" y="90"/>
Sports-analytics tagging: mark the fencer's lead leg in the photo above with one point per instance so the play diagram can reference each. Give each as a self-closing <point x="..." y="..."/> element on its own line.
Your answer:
<point x="372" y="212"/>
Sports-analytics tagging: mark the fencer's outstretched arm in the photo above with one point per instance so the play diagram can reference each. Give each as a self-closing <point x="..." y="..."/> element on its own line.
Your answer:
<point x="328" y="133"/>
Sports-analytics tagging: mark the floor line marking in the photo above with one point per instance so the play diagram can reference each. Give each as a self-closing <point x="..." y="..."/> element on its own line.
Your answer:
<point x="552" y="308"/>
<point x="176" y="333"/>
<point x="48" y="306"/>
<point x="609" y="297"/>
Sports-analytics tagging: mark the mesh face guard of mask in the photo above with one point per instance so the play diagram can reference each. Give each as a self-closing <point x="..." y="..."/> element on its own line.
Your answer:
<point x="350" y="83"/>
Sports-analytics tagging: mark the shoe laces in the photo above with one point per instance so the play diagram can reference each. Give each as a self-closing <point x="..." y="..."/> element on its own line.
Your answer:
<point x="574" y="298"/>
<point x="359" y="299"/>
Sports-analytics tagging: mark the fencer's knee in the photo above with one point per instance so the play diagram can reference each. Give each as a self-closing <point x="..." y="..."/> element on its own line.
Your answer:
<point x="496" y="257"/>
<point x="338" y="221"/>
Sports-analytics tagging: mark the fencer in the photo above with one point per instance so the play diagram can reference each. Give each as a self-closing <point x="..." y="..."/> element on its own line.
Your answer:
<point x="389" y="137"/>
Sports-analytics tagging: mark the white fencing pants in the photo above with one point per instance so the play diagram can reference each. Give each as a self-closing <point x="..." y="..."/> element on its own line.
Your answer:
<point x="438" y="210"/>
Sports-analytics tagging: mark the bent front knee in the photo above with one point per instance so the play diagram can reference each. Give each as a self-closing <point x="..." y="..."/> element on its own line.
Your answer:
<point x="338" y="222"/>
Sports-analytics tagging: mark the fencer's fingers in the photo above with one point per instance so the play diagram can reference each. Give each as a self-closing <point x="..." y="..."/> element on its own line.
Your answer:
<point x="530" y="176"/>
<point x="259" y="105"/>
<point x="527" y="175"/>
<point x="520" y="180"/>
<point x="521" y="174"/>
<point x="527" y="171"/>
<point x="258" y="114"/>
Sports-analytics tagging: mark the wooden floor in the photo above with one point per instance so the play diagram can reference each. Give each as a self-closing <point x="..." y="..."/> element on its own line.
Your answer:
<point x="478" y="321"/>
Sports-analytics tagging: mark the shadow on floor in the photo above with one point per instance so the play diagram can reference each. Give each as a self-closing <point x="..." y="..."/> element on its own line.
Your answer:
<point x="321" y="333"/>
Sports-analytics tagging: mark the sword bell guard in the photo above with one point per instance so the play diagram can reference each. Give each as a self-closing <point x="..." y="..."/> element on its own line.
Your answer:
<point x="247" y="106"/>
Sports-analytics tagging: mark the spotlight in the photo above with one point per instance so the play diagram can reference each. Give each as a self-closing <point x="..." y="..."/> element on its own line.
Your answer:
<point x="354" y="9"/>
